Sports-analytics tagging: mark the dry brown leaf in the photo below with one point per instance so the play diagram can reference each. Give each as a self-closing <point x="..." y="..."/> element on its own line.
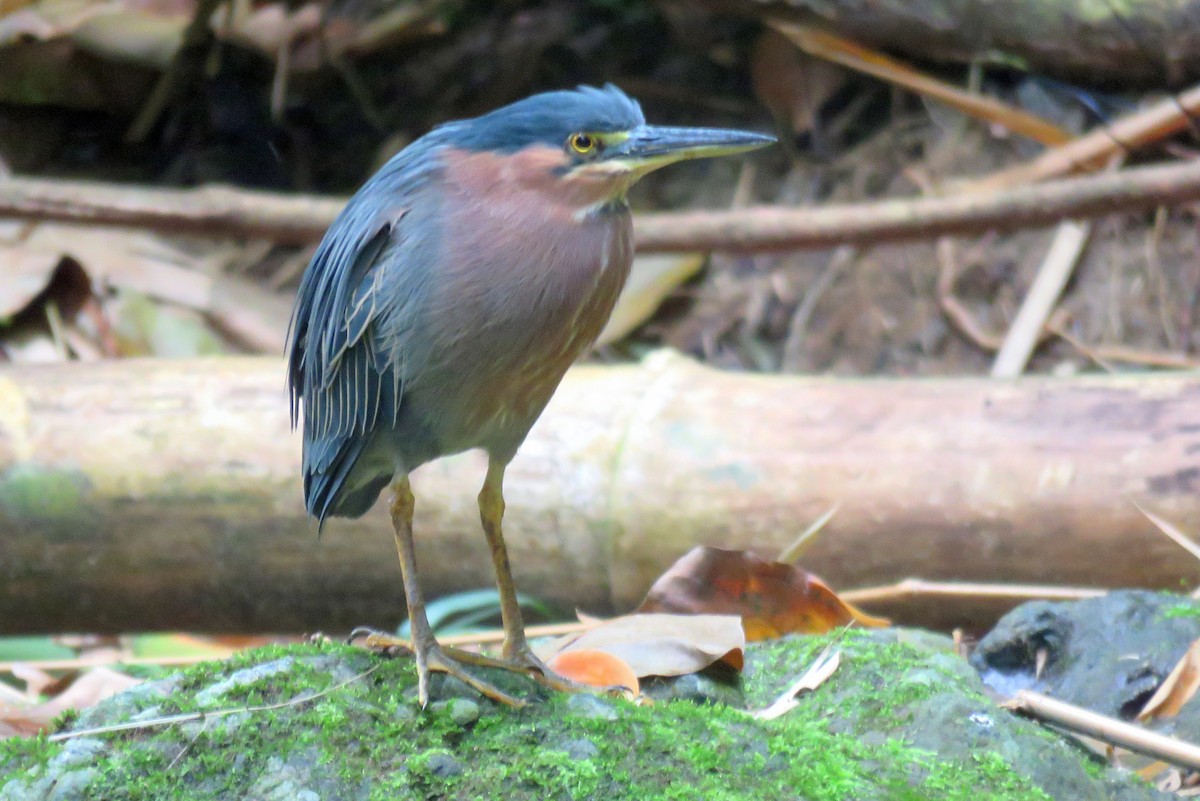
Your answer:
<point x="790" y="83"/>
<point x="661" y="645"/>
<point x="88" y="690"/>
<point x="1177" y="688"/>
<point x="772" y="598"/>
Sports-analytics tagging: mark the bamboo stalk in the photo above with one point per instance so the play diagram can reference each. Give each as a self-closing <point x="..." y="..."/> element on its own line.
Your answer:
<point x="1109" y="730"/>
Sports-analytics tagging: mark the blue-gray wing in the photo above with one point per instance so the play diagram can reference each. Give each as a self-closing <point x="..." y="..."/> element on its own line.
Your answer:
<point x="345" y="380"/>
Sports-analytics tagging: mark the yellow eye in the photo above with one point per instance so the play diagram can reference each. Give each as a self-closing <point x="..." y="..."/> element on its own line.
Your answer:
<point x="581" y="143"/>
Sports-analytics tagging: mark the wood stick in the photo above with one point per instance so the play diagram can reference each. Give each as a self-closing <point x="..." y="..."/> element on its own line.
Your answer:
<point x="1093" y="150"/>
<point x="912" y="587"/>
<point x="298" y="219"/>
<point x="1052" y="276"/>
<point x="146" y="495"/>
<point x="852" y="55"/>
<point x="1110" y="730"/>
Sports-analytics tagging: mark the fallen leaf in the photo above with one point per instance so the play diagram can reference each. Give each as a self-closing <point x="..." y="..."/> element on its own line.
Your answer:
<point x="37" y="681"/>
<point x="88" y="690"/>
<point x="1177" y="688"/>
<point x="790" y="83"/>
<point x="772" y="598"/>
<point x="659" y="644"/>
<point x="651" y="280"/>
<point x="820" y="671"/>
<point x="595" y="669"/>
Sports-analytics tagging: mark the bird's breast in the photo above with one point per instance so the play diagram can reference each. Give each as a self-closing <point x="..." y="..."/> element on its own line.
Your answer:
<point x="529" y="283"/>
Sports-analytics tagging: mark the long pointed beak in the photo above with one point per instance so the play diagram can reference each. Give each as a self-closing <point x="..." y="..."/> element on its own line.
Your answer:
<point x="652" y="146"/>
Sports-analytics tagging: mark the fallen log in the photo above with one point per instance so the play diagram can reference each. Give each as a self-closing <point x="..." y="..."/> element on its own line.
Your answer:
<point x="1136" y="43"/>
<point x="298" y="219"/>
<point x="139" y="495"/>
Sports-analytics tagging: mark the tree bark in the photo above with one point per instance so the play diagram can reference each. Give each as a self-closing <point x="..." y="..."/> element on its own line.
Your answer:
<point x="145" y="495"/>
<point x="1135" y="43"/>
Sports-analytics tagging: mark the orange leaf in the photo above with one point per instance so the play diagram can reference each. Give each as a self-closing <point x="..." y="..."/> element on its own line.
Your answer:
<point x="595" y="669"/>
<point x="772" y="598"/>
<point x="660" y="645"/>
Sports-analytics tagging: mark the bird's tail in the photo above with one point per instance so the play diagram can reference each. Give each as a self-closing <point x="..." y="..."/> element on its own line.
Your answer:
<point x="338" y="482"/>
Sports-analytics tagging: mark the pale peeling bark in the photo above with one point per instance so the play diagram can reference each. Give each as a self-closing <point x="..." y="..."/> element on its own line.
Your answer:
<point x="142" y="494"/>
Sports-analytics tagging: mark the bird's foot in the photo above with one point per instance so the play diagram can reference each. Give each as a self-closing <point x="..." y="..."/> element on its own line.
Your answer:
<point x="377" y="640"/>
<point x="521" y="659"/>
<point x="434" y="658"/>
<point x="439" y="659"/>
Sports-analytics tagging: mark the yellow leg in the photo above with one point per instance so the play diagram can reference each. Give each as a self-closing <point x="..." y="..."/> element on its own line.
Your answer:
<point x="516" y="650"/>
<point x="430" y="655"/>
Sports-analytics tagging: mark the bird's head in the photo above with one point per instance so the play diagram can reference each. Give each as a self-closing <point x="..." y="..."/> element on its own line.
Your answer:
<point x="592" y="144"/>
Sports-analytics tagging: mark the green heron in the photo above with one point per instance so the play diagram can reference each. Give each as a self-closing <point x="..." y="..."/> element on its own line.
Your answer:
<point x="447" y="300"/>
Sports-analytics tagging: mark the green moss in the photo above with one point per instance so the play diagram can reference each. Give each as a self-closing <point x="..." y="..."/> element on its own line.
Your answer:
<point x="674" y="750"/>
<point x="1186" y="608"/>
<point x="988" y="771"/>
<point x="22" y="751"/>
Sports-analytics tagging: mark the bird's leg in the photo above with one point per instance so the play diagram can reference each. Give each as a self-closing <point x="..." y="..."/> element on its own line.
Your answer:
<point x="516" y="650"/>
<point x="430" y="655"/>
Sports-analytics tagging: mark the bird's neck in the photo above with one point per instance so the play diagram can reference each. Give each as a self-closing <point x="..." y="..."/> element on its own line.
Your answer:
<point x="535" y="175"/>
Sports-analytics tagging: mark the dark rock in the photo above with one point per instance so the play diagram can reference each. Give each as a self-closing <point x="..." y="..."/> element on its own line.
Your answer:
<point x="580" y="748"/>
<point x="712" y="686"/>
<point x="443" y="766"/>
<point x="1108" y="654"/>
<point x="591" y="706"/>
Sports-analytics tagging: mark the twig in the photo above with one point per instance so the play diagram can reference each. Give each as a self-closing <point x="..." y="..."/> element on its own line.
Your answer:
<point x="793" y="346"/>
<point x="792" y="552"/>
<point x="1093" y="150"/>
<point x="187" y="746"/>
<point x="300" y="219"/>
<point x="1055" y="270"/>
<point x="958" y="314"/>
<point x="1104" y="354"/>
<point x="1171" y="530"/>
<point x="1110" y="730"/>
<point x="187" y="717"/>
<point x="912" y="587"/>
<point x="497" y="635"/>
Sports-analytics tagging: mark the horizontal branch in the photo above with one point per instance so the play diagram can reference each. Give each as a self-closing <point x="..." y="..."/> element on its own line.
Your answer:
<point x="298" y="219"/>
<point x="771" y="228"/>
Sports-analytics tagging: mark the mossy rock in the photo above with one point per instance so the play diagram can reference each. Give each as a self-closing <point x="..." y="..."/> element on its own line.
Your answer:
<point x="901" y="718"/>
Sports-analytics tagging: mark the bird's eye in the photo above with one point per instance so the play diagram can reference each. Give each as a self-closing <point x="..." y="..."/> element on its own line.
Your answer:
<point x="581" y="143"/>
